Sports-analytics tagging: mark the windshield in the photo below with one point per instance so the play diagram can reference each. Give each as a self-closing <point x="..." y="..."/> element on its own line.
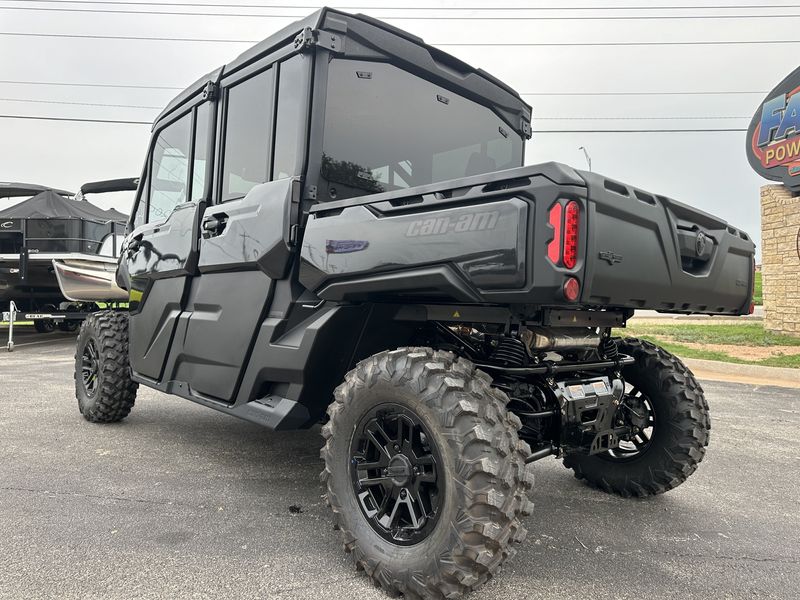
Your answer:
<point x="386" y="129"/>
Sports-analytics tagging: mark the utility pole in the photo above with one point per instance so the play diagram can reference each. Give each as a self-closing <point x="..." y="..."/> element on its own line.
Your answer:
<point x="588" y="158"/>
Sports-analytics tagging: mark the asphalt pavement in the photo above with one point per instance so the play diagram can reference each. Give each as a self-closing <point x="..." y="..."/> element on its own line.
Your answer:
<point x="179" y="501"/>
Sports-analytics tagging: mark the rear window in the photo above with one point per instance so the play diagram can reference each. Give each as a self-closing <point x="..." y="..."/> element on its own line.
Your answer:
<point x="246" y="158"/>
<point x="386" y="129"/>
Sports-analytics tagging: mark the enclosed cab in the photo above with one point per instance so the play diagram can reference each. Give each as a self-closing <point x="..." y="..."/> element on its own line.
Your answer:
<point x="337" y="227"/>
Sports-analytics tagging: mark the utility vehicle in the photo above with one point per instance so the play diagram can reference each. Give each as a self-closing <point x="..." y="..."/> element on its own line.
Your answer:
<point x="337" y="227"/>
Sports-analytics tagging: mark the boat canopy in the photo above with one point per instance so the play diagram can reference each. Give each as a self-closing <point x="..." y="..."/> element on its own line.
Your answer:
<point x="10" y="189"/>
<point x="49" y="204"/>
<point x="52" y="223"/>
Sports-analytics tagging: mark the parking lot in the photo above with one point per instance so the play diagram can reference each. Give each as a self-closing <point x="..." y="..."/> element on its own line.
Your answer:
<point x="180" y="501"/>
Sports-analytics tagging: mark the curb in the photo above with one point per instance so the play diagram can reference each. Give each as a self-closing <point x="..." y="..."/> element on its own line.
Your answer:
<point x="723" y="320"/>
<point x="742" y="373"/>
<point x="654" y="315"/>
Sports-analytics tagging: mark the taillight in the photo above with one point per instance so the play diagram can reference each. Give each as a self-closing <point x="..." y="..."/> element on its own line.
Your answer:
<point x="571" y="214"/>
<point x="554" y="246"/>
<point x="572" y="289"/>
<point x="562" y="250"/>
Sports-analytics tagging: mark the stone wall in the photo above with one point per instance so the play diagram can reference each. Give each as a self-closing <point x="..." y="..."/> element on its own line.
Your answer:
<point x="780" y="259"/>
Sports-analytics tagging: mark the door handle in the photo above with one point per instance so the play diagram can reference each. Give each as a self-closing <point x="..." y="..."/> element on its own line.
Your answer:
<point x="214" y="225"/>
<point x="134" y="245"/>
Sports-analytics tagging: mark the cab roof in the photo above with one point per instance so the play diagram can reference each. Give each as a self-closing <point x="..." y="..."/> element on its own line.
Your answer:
<point x="364" y="37"/>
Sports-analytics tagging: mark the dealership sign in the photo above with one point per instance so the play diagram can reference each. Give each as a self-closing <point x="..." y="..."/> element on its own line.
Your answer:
<point x="773" y="138"/>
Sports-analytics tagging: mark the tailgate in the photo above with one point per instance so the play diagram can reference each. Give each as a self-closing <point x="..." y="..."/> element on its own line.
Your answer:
<point x="648" y="251"/>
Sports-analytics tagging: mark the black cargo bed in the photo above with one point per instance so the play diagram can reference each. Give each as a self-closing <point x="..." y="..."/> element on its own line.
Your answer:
<point x="484" y="239"/>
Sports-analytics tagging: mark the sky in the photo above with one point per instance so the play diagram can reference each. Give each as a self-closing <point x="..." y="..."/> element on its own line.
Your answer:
<point x="580" y="87"/>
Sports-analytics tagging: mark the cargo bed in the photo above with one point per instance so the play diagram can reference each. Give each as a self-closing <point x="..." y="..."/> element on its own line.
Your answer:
<point x="490" y="238"/>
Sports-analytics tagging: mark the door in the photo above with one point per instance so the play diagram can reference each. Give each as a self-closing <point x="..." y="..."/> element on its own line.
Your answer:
<point x="160" y="254"/>
<point x="244" y="241"/>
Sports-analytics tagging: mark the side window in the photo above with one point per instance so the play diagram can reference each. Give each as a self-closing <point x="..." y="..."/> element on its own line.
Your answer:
<point x="140" y="216"/>
<point x="290" y="123"/>
<point x="170" y="168"/>
<point x="200" y="158"/>
<point x="246" y="156"/>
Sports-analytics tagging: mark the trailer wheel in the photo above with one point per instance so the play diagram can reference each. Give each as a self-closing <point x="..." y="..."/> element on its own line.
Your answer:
<point x="425" y="473"/>
<point x="103" y="384"/>
<point x="668" y="413"/>
<point x="45" y="325"/>
<point x="69" y="325"/>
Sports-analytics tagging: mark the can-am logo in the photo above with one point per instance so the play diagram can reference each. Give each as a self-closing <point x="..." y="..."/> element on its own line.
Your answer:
<point x="773" y="138"/>
<point x="477" y="221"/>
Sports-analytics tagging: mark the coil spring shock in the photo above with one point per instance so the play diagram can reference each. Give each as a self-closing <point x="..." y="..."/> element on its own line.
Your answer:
<point x="608" y="348"/>
<point x="510" y="352"/>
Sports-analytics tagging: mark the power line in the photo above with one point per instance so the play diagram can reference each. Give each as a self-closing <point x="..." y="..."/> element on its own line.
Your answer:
<point x="403" y="18"/>
<point x="40" y="118"/>
<point x="712" y="130"/>
<point x="448" y="44"/>
<point x="99" y="85"/>
<point x="657" y="118"/>
<point x="627" y="93"/>
<point x="695" y="130"/>
<point x="554" y="118"/>
<point x="694" y="93"/>
<point x="532" y="94"/>
<point x="435" y="8"/>
<point x="124" y="37"/>
<point x="79" y="103"/>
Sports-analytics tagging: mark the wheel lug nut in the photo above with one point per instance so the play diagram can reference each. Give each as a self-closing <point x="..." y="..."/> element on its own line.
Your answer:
<point x="397" y="446"/>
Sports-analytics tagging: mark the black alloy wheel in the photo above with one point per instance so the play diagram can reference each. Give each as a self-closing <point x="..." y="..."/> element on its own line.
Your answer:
<point x="425" y="472"/>
<point x="90" y="368"/>
<point x="394" y="469"/>
<point x="668" y="424"/>
<point x="103" y="385"/>
<point x="635" y="412"/>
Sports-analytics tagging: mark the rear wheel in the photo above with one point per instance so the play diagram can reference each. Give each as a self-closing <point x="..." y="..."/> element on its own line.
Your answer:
<point x="425" y="473"/>
<point x="103" y="384"/>
<point x="667" y="415"/>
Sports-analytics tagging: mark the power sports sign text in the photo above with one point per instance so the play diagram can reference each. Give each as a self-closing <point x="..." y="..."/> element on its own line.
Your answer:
<point x="773" y="138"/>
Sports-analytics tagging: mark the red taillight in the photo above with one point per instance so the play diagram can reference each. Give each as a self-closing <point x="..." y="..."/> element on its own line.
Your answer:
<point x="562" y="250"/>
<point x="554" y="246"/>
<point x="571" y="214"/>
<point x="572" y="289"/>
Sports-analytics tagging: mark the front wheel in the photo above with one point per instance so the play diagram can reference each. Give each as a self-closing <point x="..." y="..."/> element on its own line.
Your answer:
<point x="103" y="385"/>
<point x="667" y="415"/>
<point x="425" y="473"/>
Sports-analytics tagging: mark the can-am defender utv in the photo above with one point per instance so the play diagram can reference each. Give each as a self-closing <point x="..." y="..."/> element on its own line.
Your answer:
<point x="337" y="227"/>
